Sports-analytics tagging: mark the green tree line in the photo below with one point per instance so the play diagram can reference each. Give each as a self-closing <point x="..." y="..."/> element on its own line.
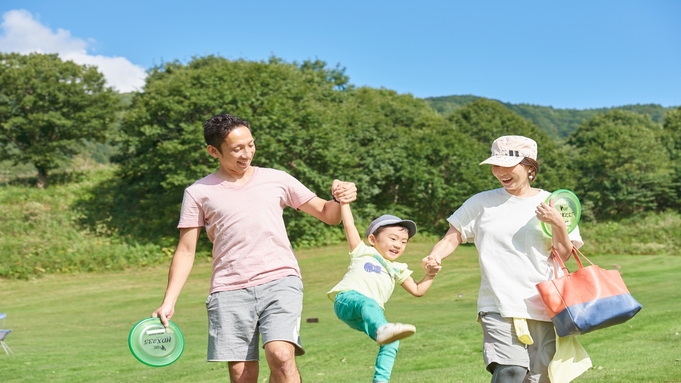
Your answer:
<point x="405" y="156"/>
<point x="558" y="123"/>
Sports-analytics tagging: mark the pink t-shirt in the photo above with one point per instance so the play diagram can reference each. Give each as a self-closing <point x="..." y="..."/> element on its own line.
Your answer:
<point x="246" y="226"/>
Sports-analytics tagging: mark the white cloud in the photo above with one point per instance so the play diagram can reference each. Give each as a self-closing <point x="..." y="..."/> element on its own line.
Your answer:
<point x="21" y="33"/>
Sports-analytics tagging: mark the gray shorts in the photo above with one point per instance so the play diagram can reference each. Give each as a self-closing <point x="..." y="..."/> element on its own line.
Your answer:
<point x="502" y="346"/>
<point x="236" y="318"/>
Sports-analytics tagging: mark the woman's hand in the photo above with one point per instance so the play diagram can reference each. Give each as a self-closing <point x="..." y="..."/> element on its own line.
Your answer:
<point x="431" y="266"/>
<point x="549" y="214"/>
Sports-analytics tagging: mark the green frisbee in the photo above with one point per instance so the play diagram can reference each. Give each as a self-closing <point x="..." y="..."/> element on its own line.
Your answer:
<point x="567" y="203"/>
<point x="155" y="345"/>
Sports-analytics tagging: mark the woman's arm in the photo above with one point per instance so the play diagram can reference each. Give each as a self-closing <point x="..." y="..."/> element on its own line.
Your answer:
<point x="444" y="247"/>
<point x="559" y="235"/>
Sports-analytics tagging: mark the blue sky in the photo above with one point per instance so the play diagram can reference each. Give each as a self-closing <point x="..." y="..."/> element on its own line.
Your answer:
<point x="565" y="54"/>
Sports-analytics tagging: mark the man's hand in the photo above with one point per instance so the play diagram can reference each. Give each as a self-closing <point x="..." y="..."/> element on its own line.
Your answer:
<point x="164" y="313"/>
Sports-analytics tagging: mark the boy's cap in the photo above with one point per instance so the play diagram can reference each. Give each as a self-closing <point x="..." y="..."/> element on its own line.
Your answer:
<point x="510" y="150"/>
<point x="387" y="219"/>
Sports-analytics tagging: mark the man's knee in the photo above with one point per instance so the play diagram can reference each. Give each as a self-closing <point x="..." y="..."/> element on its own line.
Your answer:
<point x="281" y="358"/>
<point x="280" y="352"/>
<point x="243" y="372"/>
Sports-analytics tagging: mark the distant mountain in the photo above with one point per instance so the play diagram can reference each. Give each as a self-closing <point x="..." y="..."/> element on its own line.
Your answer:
<point x="126" y="98"/>
<point x="558" y="123"/>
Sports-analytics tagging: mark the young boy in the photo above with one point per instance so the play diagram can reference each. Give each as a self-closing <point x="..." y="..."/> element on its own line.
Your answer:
<point x="359" y="298"/>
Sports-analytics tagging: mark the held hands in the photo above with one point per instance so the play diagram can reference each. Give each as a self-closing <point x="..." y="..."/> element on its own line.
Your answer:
<point x="344" y="192"/>
<point x="431" y="266"/>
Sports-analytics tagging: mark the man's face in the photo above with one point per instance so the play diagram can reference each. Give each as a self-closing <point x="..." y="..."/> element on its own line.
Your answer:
<point x="238" y="150"/>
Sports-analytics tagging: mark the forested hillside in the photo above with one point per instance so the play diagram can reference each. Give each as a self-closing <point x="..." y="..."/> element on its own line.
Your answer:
<point x="557" y="123"/>
<point x="406" y="157"/>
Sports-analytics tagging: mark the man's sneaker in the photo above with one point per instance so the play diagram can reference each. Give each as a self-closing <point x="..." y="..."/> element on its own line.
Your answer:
<point x="393" y="331"/>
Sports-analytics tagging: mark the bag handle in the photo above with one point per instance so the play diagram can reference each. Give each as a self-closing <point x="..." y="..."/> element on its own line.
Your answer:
<point x="558" y="261"/>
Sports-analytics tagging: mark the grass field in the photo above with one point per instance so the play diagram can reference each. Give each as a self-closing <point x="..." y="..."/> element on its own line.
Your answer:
<point x="74" y="328"/>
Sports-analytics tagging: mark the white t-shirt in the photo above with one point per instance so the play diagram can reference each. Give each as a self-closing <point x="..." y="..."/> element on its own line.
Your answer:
<point x="246" y="226"/>
<point x="371" y="275"/>
<point x="513" y="251"/>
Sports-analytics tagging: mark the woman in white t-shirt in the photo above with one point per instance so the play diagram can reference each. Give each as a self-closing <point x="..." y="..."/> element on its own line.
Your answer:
<point x="505" y="226"/>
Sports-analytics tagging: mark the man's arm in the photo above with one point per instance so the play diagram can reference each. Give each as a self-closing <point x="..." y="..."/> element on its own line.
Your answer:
<point x="325" y="211"/>
<point x="180" y="267"/>
<point x="329" y="211"/>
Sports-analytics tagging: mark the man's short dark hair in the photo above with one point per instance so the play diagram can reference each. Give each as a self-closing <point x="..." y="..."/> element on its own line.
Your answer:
<point x="216" y="128"/>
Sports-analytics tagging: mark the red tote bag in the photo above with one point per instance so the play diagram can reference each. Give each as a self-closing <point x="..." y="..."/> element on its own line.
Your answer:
<point x="586" y="300"/>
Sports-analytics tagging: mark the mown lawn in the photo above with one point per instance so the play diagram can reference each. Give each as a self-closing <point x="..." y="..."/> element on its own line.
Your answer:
<point x="74" y="328"/>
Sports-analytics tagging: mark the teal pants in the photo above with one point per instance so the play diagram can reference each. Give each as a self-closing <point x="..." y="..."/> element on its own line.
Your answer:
<point x="364" y="314"/>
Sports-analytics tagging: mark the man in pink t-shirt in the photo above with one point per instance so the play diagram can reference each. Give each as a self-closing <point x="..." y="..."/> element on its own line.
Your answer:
<point x="256" y="286"/>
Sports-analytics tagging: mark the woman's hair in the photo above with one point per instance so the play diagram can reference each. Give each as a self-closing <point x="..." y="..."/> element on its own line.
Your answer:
<point x="533" y="167"/>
